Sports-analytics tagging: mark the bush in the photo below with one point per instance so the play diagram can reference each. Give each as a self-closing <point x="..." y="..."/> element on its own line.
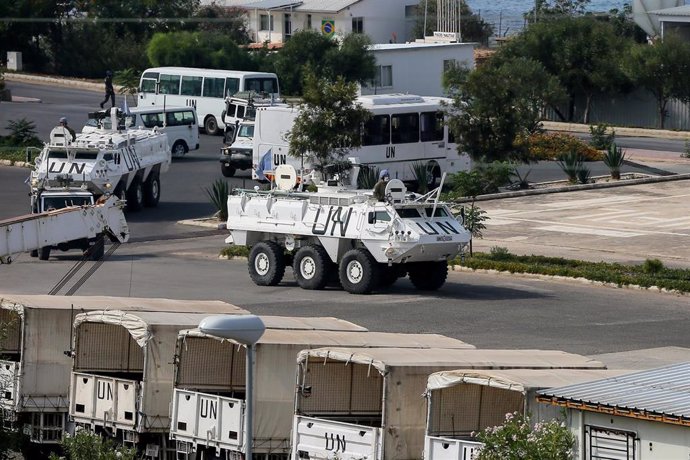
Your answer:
<point x="552" y="146"/>
<point x="652" y="266"/>
<point x="22" y="134"/>
<point x="614" y="159"/>
<point x="422" y="176"/>
<point x="499" y="253"/>
<point x="85" y="445"/>
<point x="484" y="178"/>
<point x="571" y="164"/>
<point x="368" y="176"/>
<point x="600" y="139"/>
<point x="218" y="193"/>
<point x="235" y="251"/>
<point x="517" y="439"/>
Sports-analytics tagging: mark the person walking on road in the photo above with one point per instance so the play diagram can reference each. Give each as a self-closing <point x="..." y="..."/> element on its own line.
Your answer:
<point x="109" y="90"/>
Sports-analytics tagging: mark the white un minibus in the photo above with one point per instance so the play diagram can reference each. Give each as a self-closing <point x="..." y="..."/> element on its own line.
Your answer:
<point x="203" y="89"/>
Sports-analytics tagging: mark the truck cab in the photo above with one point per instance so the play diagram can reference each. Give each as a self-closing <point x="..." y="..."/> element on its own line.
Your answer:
<point x="238" y="155"/>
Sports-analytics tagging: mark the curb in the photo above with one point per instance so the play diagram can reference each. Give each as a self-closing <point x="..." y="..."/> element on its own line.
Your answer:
<point x="42" y="80"/>
<point x="206" y="223"/>
<point x="19" y="164"/>
<point x="634" y="287"/>
<point x="619" y="130"/>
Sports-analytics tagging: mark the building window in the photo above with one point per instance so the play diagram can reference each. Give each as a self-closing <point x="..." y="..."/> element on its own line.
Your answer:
<point x="357" y="25"/>
<point x="265" y="22"/>
<point x="309" y="22"/>
<point x="384" y="76"/>
<point x="604" y="442"/>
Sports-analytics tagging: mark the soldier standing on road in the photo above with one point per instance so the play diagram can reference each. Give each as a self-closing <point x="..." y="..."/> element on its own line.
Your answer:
<point x="109" y="90"/>
<point x="380" y="187"/>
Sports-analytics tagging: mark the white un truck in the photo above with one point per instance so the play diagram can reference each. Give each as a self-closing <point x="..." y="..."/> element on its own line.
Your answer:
<point x="366" y="242"/>
<point x="110" y="160"/>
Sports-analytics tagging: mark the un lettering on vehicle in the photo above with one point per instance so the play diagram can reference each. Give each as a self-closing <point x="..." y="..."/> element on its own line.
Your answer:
<point x="74" y="168"/>
<point x="279" y="159"/>
<point x="337" y="219"/>
<point x="438" y="228"/>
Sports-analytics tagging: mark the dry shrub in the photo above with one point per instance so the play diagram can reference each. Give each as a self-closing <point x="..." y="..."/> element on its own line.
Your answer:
<point x="552" y="146"/>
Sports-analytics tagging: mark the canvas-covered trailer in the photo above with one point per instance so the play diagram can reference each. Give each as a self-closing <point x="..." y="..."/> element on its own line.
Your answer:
<point x="368" y="403"/>
<point x="465" y="401"/>
<point x="209" y="401"/>
<point x="35" y="365"/>
<point x="122" y="376"/>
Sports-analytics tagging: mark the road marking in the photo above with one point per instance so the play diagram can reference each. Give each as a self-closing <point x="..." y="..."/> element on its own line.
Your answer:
<point x="589" y="231"/>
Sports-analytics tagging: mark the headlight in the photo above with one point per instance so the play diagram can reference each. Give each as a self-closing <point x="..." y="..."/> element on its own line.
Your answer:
<point x="107" y="186"/>
<point x="391" y="253"/>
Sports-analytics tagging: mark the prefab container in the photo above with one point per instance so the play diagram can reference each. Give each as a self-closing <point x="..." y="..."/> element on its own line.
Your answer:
<point x="121" y="383"/>
<point x="461" y="403"/>
<point x="208" y="414"/>
<point x="368" y="403"/>
<point x="36" y="363"/>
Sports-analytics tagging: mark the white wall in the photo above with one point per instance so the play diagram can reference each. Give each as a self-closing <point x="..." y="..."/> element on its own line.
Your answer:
<point x="658" y="441"/>
<point x="418" y="68"/>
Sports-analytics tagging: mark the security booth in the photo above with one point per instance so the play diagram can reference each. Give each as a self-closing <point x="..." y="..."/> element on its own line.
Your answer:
<point x="369" y="403"/>
<point x="121" y="381"/>
<point x="35" y="361"/>
<point x="209" y="404"/>
<point x="461" y="403"/>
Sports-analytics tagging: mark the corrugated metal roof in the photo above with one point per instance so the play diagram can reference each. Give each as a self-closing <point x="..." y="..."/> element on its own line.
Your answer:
<point x="325" y="6"/>
<point x="664" y="391"/>
<point x="268" y="4"/>
<point x="675" y="11"/>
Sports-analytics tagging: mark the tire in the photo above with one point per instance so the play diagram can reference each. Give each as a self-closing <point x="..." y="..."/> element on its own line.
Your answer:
<point x="227" y="170"/>
<point x="34" y="253"/>
<point x="359" y="272"/>
<point x="428" y="276"/>
<point x="179" y="148"/>
<point x="389" y="275"/>
<point x="152" y="190"/>
<point x="266" y="264"/>
<point x="135" y="195"/>
<point x="211" y="125"/>
<point x="44" y="253"/>
<point x="311" y="265"/>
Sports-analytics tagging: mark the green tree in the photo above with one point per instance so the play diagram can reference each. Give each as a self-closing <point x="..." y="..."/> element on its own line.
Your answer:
<point x="556" y="9"/>
<point x="229" y="21"/>
<point x="583" y="53"/>
<point x="473" y="27"/>
<point x="328" y="125"/>
<point x="496" y="104"/>
<point x="197" y="49"/>
<point x="662" y="68"/>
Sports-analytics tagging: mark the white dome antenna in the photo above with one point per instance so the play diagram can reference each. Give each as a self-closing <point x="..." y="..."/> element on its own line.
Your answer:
<point x="285" y="177"/>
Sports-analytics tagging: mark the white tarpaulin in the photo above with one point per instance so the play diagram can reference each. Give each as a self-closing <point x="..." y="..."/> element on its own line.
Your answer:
<point x="274" y="371"/>
<point x="405" y="373"/>
<point x="44" y="334"/>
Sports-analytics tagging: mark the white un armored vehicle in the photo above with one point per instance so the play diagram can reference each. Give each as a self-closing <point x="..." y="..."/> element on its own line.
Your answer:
<point x="345" y="232"/>
<point x="123" y="162"/>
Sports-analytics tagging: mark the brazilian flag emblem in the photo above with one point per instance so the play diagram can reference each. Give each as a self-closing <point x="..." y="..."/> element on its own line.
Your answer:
<point x="328" y="27"/>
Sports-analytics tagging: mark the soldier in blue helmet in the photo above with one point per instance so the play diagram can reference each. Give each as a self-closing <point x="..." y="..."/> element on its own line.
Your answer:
<point x="380" y="187"/>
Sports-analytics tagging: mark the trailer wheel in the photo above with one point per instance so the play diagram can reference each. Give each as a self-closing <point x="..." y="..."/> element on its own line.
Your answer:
<point x="211" y="125"/>
<point x="135" y="195"/>
<point x="428" y="276"/>
<point x="311" y="265"/>
<point x="266" y="263"/>
<point x="359" y="272"/>
<point x="227" y="170"/>
<point x="152" y="190"/>
<point x="44" y="253"/>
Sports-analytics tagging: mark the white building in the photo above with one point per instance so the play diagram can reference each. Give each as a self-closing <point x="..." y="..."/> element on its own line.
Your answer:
<point x="416" y="68"/>
<point x="639" y="416"/>
<point x="274" y="21"/>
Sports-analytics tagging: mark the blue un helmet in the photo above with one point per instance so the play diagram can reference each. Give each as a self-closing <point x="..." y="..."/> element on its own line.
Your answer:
<point x="384" y="173"/>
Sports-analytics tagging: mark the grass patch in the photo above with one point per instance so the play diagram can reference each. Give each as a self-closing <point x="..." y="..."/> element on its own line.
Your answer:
<point x="13" y="153"/>
<point x="650" y="273"/>
<point x="234" y="251"/>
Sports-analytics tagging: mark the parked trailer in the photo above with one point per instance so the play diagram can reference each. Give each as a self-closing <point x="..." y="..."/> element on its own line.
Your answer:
<point x="36" y="364"/>
<point x="122" y="376"/>
<point x="367" y="403"/>
<point x="56" y="228"/>
<point x="208" y="414"/>
<point x="463" y="402"/>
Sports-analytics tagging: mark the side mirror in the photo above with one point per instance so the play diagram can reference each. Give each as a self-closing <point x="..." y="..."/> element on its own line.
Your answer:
<point x="371" y="218"/>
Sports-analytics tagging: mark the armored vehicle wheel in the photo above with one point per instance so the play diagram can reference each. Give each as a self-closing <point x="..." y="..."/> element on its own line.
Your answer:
<point x="266" y="263"/>
<point x="44" y="253"/>
<point x="311" y="265"/>
<point x="389" y="275"/>
<point x="135" y="195"/>
<point x="211" y="125"/>
<point x="428" y="276"/>
<point x="359" y="272"/>
<point x="152" y="190"/>
<point x="34" y="253"/>
<point x="227" y="170"/>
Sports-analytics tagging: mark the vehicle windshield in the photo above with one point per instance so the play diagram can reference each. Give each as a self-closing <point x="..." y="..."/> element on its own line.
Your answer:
<point x="59" y="202"/>
<point x="246" y="131"/>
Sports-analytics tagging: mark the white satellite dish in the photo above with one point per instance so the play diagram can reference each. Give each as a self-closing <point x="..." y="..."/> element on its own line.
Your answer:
<point x="285" y="177"/>
<point x="395" y="191"/>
